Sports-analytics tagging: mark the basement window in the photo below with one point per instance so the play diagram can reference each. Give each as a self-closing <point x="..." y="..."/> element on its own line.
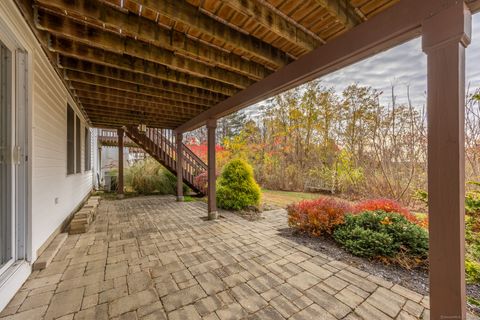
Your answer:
<point x="88" y="150"/>
<point x="78" y="151"/>
<point x="70" y="140"/>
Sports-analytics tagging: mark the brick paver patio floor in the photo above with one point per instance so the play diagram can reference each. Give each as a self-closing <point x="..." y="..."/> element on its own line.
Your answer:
<point x="154" y="258"/>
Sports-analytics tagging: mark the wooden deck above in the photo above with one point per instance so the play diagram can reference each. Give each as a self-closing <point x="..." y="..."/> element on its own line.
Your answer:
<point x="163" y="63"/>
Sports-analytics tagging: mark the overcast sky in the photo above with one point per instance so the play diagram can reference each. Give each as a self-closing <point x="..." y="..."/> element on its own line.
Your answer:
<point x="403" y="66"/>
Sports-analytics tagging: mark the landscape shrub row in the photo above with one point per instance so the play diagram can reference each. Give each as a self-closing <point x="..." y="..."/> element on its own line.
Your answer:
<point x="373" y="228"/>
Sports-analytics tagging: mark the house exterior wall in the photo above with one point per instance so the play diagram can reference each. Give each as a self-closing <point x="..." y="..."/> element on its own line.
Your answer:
<point x="52" y="194"/>
<point x="52" y="204"/>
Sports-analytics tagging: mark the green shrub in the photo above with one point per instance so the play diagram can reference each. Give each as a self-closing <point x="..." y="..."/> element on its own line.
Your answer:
<point x="472" y="230"/>
<point x="382" y="234"/>
<point x="472" y="271"/>
<point x="472" y="202"/>
<point x="149" y="176"/>
<point x="236" y="186"/>
<point x="472" y="198"/>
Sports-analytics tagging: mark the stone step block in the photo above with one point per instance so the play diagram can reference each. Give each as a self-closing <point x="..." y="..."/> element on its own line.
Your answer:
<point x="47" y="256"/>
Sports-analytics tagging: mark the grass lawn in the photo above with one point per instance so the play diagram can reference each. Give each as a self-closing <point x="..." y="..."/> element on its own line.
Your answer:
<point x="284" y="198"/>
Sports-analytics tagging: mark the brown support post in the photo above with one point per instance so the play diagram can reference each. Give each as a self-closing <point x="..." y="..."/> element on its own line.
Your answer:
<point x="445" y="37"/>
<point x="212" y="178"/>
<point x="120" y="194"/>
<point x="179" y="143"/>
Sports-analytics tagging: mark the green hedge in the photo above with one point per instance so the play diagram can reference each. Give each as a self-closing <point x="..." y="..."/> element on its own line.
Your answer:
<point x="382" y="234"/>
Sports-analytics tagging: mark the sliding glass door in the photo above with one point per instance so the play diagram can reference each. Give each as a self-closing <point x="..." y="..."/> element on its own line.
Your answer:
<point x="6" y="166"/>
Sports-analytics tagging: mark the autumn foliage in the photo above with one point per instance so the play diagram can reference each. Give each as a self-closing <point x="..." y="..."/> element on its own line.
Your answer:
<point x="318" y="217"/>
<point x="387" y="205"/>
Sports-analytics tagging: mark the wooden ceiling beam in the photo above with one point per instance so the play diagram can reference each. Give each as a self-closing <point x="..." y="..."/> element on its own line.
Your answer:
<point x="144" y="117"/>
<point x="100" y="110"/>
<point x="108" y="17"/>
<point x="128" y="118"/>
<point x="172" y="98"/>
<point x="397" y="24"/>
<point x="140" y="107"/>
<point x="136" y="100"/>
<point x="93" y="40"/>
<point x="109" y="122"/>
<point x="182" y="109"/>
<point x="94" y="83"/>
<point x="277" y="23"/>
<point x="342" y="11"/>
<point x="136" y="65"/>
<point x="27" y="11"/>
<point x="125" y="79"/>
<point x="191" y="16"/>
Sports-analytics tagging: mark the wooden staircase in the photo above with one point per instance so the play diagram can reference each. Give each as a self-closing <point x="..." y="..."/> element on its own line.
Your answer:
<point x="161" y="145"/>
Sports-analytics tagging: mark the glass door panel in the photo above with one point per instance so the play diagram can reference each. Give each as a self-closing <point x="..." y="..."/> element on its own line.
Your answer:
<point x="6" y="165"/>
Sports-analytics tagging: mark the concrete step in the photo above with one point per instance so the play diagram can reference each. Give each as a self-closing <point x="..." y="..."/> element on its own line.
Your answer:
<point x="47" y="256"/>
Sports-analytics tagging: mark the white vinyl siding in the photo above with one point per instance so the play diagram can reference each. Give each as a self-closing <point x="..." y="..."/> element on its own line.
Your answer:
<point x="54" y="194"/>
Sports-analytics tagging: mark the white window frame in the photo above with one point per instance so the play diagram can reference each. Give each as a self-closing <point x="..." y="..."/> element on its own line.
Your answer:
<point x="19" y="155"/>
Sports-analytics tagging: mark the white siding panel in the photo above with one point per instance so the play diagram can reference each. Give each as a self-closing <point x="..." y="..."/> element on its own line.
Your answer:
<point x="50" y="181"/>
<point x="48" y="101"/>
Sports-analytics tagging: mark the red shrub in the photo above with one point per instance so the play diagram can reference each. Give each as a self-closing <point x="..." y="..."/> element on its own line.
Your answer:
<point x="319" y="216"/>
<point x="388" y="205"/>
<point x="201" y="180"/>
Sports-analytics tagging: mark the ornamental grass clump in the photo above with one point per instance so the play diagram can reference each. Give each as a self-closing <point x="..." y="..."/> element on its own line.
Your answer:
<point x="380" y="234"/>
<point x="319" y="216"/>
<point x="236" y="187"/>
<point x="150" y="177"/>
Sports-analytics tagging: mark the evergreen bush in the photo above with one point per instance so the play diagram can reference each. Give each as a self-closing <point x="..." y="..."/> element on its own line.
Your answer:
<point x="382" y="234"/>
<point x="236" y="186"/>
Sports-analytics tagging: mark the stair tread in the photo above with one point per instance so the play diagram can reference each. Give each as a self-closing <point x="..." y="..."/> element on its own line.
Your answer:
<point x="47" y="256"/>
<point x="156" y="148"/>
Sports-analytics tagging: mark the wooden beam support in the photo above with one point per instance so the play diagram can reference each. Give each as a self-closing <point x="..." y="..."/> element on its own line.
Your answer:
<point x="124" y="80"/>
<point x="212" y="171"/>
<point x="343" y="11"/>
<point x="108" y="17"/>
<point x="100" y="108"/>
<point x="139" y="66"/>
<point x="171" y="97"/>
<point x="100" y="111"/>
<point x="277" y="23"/>
<point x="395" y="25"/>
<point x="445" y="37"/>
<point x="148" y="104"/>
<point x="190" y="15"/>
<point x="102" y="122"/>
<point x="120" y="186"/>
<point x="179" y="163"/>
<point x="68" y="37"/>
<point x="90" y="91"/>
<point x="124" y="120"/>
<point x="27" y="10"/>
<point x="136" y="109"/>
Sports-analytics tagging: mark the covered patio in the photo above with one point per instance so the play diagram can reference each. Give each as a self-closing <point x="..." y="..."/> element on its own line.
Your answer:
<point x="156" y="258"/>
<point x="178" y="65"/>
